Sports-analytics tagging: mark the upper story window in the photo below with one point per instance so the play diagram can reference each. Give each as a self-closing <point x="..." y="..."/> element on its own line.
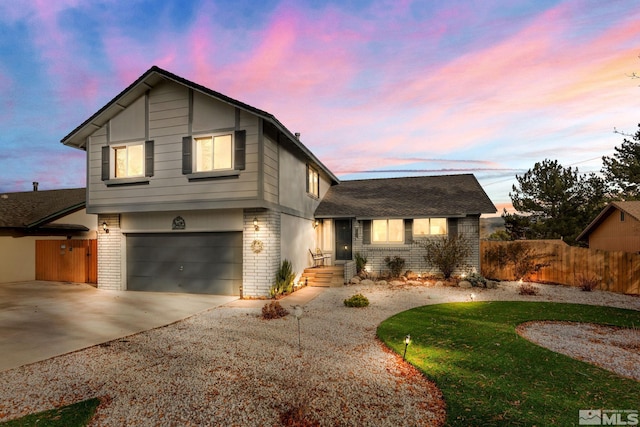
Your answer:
<point x="127" y="163"/>
<point x="212" y="156"/>
<point x="214" y="152"/>
<point x="621" y="216"/>
<point x="313" y="182"/>
<point x="129" y="160"/>
<point x="423" y="227"/>
<point x="387" y="231"/>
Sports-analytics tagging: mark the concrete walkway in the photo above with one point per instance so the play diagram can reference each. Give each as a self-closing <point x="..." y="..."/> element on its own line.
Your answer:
<point x="40" y="320"/>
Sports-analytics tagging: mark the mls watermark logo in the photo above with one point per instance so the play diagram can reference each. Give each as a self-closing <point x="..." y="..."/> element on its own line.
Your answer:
<point x="608" y="417"/>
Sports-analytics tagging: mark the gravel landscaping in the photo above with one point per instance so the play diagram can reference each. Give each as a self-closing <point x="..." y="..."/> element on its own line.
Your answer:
<point x="227" y="366"/>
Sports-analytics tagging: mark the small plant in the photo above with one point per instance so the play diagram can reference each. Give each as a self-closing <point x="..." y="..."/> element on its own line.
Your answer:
<point x="357" y="300"/>
<point x="273" y="310"/>
<point x="395" y="264"/>
<point x="527" y="289"/>
<point x="587" y="283"/>
<point x="361" y="262"/>
<point x="283" y="283"/>
<point x="476" y="280"/>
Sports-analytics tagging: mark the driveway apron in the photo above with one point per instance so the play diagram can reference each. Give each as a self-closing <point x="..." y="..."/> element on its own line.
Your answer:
<point x="40" y="320"/>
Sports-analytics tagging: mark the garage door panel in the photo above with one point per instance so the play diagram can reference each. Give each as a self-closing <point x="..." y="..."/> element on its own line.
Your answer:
<point x="186" y="262"/>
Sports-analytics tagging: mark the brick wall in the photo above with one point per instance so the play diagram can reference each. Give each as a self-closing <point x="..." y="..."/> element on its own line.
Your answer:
<point x="414" y="254"/>
<point x="259" y="269"/>
<point x="109" y="253"/>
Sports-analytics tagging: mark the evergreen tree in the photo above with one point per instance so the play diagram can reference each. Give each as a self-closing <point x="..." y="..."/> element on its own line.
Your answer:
<point x="622" y="171"/>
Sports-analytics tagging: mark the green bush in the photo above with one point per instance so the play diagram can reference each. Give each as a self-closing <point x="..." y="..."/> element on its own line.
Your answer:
<point x="273" y="310"/>
<point x="284" y="280"/>
<point x="357" y="300"/>
<point x="361" y="262"/>
<point x="395" y="264"/>
<point x="476" y="280"/>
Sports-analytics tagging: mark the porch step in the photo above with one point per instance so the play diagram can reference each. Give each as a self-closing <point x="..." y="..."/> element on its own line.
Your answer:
<point x="330" y="276"/>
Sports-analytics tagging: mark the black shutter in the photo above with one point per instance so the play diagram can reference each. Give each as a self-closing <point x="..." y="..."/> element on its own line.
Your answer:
<point x="452" y="226"/>
<point x="306" y="179"/>
<point x="148" y="158"/>
<point x="408" y="231"/>
<point x="187" y="164"/>
<point x="366" y="232"/>
<point x="106" y="152"/>
<point x="240" y="155"/>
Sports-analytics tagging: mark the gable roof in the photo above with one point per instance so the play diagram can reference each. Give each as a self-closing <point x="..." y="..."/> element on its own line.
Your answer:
<point x="410" y="197"/>
<point x="34" y="210"/>
<point x="155" y="76"/>
<point x="631" y="208"/>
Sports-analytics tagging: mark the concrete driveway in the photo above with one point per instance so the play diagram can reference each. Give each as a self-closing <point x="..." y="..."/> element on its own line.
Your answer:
<point x="39" y="320"/>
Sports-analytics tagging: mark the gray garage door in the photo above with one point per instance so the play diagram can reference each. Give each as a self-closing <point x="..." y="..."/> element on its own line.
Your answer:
<point x="205" y="263"/>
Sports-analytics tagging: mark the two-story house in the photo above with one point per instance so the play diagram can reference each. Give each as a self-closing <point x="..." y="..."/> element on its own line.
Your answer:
<point x="198" y="192"/>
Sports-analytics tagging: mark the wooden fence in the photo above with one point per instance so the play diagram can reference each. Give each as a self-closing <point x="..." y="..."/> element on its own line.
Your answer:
<point x="73" y="260"/>
<point x="614" y="271"/>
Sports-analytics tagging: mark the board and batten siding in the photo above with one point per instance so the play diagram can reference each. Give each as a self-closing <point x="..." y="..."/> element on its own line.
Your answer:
<point x="169" y="115"/>
<point x="270" y="170"/>
<point x="615" y="234"/>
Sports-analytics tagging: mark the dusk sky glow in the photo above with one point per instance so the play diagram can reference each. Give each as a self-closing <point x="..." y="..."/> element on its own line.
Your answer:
<point x="376" y="88"/>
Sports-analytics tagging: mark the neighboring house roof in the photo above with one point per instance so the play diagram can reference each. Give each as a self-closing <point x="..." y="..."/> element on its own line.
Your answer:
<point x="413" y="197"/>
<point x="155" y="76"/>
<point x="34" y="211"/>
<point x="629" y="208"/>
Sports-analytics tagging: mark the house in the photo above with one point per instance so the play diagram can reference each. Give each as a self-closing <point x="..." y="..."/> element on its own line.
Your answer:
<point x="385" y="217"/>
<point x="616" y="228"/>
<point x="198" y="192"/>
<point x="39" y="231"/>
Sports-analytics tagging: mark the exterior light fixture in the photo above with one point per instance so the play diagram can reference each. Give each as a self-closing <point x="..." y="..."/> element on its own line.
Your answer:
<point x="472" y="296"/>
<point x="298" y="311"/>
<point x="105" y="228"/>
<point x="316" y="223"/>
<point x="407" y="340"/>
<point x="255" y="224"/>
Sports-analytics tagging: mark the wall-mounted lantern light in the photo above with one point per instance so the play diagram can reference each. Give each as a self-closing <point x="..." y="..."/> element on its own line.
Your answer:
<point x="407" y="340"/>
<point x="255" y="224"/>
<point x="316" y="223"/>
<point x="105" y="228"/>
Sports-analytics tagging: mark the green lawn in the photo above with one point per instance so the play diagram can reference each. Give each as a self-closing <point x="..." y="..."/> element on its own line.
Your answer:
<point x="75" y="415"/>
<point x="489" y="375"/>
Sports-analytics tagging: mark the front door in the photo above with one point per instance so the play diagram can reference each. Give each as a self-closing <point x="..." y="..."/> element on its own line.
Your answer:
<point x="343" y="240"/>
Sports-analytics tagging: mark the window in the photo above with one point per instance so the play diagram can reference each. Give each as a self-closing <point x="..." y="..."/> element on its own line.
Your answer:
<point x="429" y="226"/>
<point x="213" y="153"/>
<point x="621" y="216"/>
<point x="128" y="161"/>
<point x="313" y="182"/>
<point x="387" y="231"/>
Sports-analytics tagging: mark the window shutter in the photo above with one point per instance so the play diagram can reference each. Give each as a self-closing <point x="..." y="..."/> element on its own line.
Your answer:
<point x="187" y="164"/>
<point x="106" y="152"/>
<point x="148" y="158"/>
<point x="408" y="231"/>
<point x="240" y="151"/>
<point x="306" y="179"/>
<point x="366" y="232"/>
<point x="452" y="226"/>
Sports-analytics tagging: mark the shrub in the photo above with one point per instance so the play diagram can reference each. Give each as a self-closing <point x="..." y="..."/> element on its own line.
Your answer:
<point x="395" y="264"/>
<point x="587" y="283"/>
<point x="527" y="289"/>
<point x="446" y="253"/>
<point x="357" y="300"/>
<point x="476" y="280"/>
<point x="284" y="280"/>
<point x="361" y="262"/>
<point x="273" y="310"/>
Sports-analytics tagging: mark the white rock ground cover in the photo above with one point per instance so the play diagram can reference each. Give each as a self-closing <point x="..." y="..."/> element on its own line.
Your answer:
<point x="227" y="366"/>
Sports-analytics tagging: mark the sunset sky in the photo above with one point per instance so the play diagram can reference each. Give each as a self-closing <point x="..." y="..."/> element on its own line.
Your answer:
<point x="376" y="88"/>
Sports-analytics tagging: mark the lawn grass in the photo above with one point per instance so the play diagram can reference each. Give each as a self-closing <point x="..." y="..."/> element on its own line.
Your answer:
<point x="489" y="375"/>
<point x="75" y="415"/>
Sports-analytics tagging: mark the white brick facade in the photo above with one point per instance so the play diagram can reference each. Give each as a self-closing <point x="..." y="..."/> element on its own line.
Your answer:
<point x="109" y="253"/>
<point x="259" y="268"/>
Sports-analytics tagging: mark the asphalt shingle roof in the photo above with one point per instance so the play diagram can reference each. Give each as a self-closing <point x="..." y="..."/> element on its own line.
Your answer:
<point x="36" y="208"/>
<point x="411" y="197"/>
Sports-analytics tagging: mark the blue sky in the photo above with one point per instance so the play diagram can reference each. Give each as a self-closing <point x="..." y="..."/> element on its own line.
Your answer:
<point x="377" y="89"/>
